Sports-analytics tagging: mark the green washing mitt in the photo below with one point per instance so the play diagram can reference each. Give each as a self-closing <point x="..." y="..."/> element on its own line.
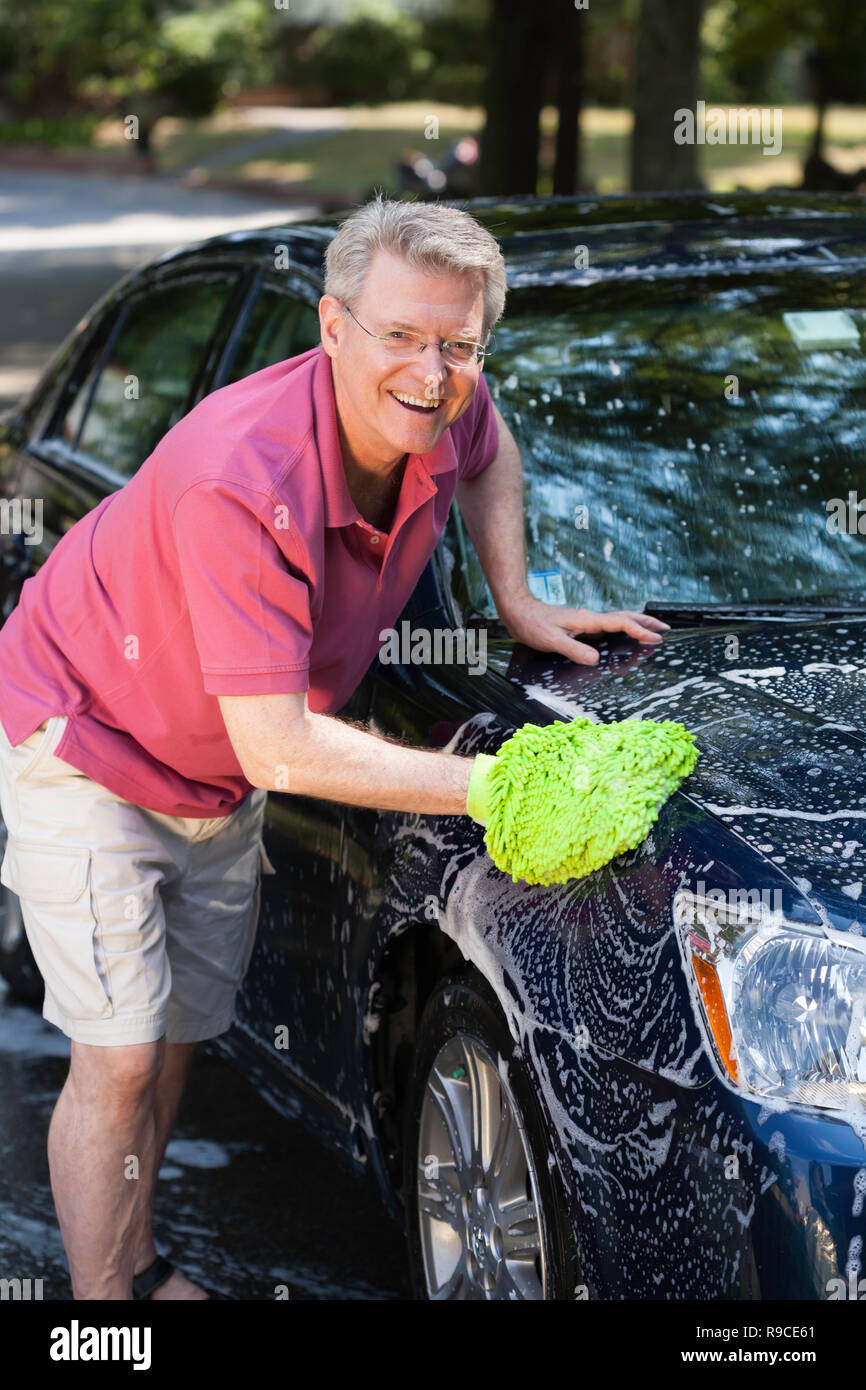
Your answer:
<point x="560" y="800"/>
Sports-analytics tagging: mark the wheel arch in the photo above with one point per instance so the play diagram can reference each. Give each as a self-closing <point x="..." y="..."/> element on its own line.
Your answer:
<point x="408" y="970"/>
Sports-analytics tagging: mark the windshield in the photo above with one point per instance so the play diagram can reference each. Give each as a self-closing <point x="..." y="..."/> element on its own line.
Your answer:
<point x="680" y="443"/>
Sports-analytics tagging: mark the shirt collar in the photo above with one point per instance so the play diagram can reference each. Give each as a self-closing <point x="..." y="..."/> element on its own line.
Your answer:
<point x="340" y="510"/>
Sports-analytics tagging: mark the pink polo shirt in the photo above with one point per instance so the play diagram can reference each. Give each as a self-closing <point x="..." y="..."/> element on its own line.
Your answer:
<point x="234" y="562"/>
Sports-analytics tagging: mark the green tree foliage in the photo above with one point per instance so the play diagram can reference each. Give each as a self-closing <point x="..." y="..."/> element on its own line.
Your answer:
<point x="832" y="40"/>
<point x="368" y="59"/>
<point x="832" y="36"/>
<point x="388" y="56"/>
<point x="167" y="55"/>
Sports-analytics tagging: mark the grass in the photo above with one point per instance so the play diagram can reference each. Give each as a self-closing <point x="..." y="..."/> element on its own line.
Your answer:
<point x="605" y="137"/>
<point x="177" y="144"/>
<point x="353" y="160"/>
<point x="61" y="133"/>
<point x="349" y="161"/>
<point x="364" y="155"/>
<point x="346" y="161"/>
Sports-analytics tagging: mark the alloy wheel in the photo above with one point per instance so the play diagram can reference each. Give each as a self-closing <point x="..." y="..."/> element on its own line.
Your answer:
<point x="477" y="1193"/>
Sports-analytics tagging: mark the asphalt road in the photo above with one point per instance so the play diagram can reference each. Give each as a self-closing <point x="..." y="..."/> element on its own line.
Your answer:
<point x="246" y="1200"/>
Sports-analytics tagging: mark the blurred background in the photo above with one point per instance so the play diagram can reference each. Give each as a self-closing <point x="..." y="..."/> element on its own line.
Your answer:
<point x="131" y="126"/>
<point x="321" y="100"/>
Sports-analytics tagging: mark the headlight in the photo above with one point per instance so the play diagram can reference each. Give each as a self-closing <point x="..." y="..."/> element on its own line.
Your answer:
<point x="784" y="1006"/>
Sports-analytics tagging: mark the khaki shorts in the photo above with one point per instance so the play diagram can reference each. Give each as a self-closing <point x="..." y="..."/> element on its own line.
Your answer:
<point x="142" y="924"/>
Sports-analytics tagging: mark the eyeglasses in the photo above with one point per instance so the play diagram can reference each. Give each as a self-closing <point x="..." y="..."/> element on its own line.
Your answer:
<point x="457" y="352"/>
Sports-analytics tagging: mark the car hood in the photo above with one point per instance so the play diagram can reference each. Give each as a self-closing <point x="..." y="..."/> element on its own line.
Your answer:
<point x="778" y="711"/>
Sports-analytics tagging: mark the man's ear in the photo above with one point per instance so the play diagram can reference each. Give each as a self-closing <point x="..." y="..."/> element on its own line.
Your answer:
<point x="331" y="323"/>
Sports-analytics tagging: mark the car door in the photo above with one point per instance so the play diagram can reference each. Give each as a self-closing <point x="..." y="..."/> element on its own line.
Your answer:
<point x="297" y="975"/>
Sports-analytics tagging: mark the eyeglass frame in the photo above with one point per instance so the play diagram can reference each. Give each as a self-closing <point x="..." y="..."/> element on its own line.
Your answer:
<point x="457" y="366"/>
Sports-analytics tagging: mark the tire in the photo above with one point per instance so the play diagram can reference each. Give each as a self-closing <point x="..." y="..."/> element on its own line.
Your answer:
<point x="493" y="1206"/>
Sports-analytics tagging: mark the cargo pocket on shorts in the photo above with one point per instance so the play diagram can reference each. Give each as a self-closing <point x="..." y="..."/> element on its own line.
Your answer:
<point x="54" y="887"/>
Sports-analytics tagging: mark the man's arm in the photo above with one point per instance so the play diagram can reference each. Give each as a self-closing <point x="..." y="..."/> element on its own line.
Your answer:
<point x="282" y="746"/>
<point x="491" y="504"/>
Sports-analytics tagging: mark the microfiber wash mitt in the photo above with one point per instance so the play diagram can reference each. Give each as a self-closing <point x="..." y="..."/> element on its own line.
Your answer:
<point x="562" y="799"/>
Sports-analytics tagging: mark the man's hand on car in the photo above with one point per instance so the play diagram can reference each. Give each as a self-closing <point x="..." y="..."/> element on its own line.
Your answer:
<point x="548" y="627"/>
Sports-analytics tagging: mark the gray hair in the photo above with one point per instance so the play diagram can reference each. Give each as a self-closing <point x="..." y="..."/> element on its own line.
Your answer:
<point x="431" y="236"/>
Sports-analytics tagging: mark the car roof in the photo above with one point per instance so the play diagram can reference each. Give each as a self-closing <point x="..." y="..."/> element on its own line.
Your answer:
<point x="644" y="236"/>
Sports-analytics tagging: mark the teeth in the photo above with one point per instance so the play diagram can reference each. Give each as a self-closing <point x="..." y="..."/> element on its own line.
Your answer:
<point x="414" y="400"/>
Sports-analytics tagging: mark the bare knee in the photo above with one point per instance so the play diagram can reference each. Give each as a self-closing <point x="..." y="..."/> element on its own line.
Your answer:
<point x="123" y="1076"/>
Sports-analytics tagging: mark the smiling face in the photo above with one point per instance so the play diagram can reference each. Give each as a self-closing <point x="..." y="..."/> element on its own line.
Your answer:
<point x="375" y="427"/>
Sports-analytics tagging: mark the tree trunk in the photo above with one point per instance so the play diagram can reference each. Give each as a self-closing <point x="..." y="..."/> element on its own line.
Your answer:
<point x="666" y="80"/>
<point x="817" y="150"/>
<point x="518" y="45"/>
<point x="569" y="62"/>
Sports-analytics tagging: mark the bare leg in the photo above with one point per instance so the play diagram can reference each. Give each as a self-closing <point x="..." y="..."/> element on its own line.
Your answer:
<point x="105" y="1142"/>
<point x="100" y="1150"/>
<point x="168" y="1094"/>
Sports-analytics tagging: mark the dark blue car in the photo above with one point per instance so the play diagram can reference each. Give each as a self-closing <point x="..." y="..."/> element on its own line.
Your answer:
<point x="651" y="1082"/>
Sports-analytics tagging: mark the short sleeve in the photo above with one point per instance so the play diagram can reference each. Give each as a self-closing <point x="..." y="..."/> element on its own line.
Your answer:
<point x="249" y="605"/>
<point x="476" y="434"/>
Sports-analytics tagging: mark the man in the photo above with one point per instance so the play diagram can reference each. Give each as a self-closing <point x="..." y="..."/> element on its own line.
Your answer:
<point x="177" y="657"/>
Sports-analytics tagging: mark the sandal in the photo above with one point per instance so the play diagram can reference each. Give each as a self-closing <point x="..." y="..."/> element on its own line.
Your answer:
<point x="152" y="1278"/>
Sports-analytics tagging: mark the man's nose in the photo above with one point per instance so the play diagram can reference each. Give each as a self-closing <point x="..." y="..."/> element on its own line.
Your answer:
<point x="432" y="365"/>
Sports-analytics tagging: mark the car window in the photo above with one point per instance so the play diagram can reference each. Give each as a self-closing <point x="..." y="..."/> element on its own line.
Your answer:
<point x="132" y="397"/>
<point x="280" y="326"/>
<point x="684" y="447"/>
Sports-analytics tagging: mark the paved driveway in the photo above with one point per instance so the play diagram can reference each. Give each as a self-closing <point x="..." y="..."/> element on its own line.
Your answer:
<point x="66" y="238"/>
<point x="245" y="1200"/>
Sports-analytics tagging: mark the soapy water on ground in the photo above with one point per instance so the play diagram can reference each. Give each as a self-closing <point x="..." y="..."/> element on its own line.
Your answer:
<point x="246" y="1201"/>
